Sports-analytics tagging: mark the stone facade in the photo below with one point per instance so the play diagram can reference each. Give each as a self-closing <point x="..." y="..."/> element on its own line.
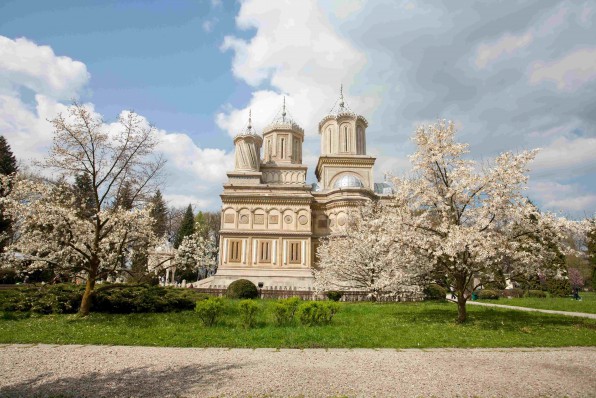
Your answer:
<point x="271" y="220"/>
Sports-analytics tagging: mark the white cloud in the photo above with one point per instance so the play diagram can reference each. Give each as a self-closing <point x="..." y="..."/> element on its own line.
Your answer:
<point x="174" y="200"/>
<point x="568" y="73"/>
<point x="506" y="46"/>
<point x="563" y="198"/>
<point x="209" y="24"/>
<point x="26" y="64"/>
<point x="193" y="170"/>
<point x="566" y="158"/>
<point x="298" y="52"/>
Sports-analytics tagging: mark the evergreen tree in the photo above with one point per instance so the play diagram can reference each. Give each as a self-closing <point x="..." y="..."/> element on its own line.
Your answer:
<point x="124" y="197"/>
<point x="159" y="212"/>
<point x="187" y="227"/>
<point x="592" y="250"/>
<point x="8" y="163"/>
<point x="84" y="194"/>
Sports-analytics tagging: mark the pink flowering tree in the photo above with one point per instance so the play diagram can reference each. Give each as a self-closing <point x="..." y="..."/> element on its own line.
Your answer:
<point x="95" y="243"/>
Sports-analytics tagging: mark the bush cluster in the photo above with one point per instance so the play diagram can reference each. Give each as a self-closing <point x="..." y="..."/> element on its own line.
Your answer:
<point x="119" y="299"/>
<point x="122" y="299"/>
<point x="285" y="310"/>
<point x="434" y="292"/>
<point x="334" y="295"/>
<point x="249" y="310"/>
<point x="242" y="289"/>
<point x="513" y="293"/>
<point x="317" y="313"/>
<point x="558" y="287"/>
<point x="47" y="299"/>
<point x="487" y="294"/>
<point x="210" y="310"/>
<point x="536" y="293"/>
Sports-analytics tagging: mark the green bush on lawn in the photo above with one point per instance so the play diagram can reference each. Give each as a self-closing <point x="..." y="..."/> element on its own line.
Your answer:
<point x="435" y="292"/>
<point x="242" y="289"/>
<point x="487" y="294"/>
<point x="536" y="293"/>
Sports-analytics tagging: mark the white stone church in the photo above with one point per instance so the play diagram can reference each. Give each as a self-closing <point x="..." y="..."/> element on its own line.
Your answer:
<point x="271" y="219"/>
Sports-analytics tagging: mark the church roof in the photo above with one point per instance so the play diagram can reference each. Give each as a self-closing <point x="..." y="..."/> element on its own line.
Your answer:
<point x="283" y="120"/>
<point x="340" y="109"/>
<point x="248" y="128"/>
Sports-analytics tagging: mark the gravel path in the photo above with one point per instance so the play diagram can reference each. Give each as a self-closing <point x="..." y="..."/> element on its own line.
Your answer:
<point x="115" y="371"/>
<point x="513" y="307"/>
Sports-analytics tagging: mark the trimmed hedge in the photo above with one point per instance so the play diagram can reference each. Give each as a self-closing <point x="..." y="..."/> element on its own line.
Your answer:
<point x="514" y="293"/>
<point x="334" y="295"/>
<point x="487" y="294"/>
<point x="317" y="313"/>
<point x="121" y="299"/>
<point x="434" y="292"/>
<point x="242" y="289"/>
<point x="285" y="310"/>
<point x="536" y="293"/>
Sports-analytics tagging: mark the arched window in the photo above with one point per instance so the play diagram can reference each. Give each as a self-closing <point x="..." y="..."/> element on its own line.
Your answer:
<point x="283" y="148"/>
<point x="329" y="148"/>
<point x="360" y="140"/>
<point x="345" y="139"/>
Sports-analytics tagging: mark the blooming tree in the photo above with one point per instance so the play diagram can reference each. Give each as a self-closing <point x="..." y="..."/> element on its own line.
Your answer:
<point x="471" y="221"/>
<point x="52" y="229"/>
<point x="197" y="253"/>
<point x="363" y="257"/>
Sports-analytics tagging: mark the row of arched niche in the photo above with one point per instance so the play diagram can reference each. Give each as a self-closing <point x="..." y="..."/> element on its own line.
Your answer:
<point x="260" y="218"/>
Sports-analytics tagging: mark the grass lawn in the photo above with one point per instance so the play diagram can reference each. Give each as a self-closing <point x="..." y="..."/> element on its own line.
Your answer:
<point x="587" y="304"/>
<point x="398" y="325"/>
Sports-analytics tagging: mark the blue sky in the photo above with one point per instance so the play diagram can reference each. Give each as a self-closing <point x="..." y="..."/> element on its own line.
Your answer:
<point x="513" y="75"/>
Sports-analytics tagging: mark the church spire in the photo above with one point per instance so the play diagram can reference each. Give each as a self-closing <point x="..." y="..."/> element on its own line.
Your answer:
<point x="341" y="96"/>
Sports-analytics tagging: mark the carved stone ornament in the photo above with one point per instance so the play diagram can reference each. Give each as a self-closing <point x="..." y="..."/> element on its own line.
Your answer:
<point x="341" y="220"/>
<point x="288" y="219"/>
<point x="273" y="219"/>
<point x="229" y="218"/>
<point x="303" y="220"/>
<point x="259" y="219"/>
<point x="243" y="219"/>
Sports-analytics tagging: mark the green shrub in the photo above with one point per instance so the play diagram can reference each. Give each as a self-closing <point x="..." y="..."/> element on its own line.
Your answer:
<point x="536" y="293"/>
<point x="210" y="310"/>
<point x="47" y="299"/>
<point x="434" y="292"/>
<point x="558" y="287"/>
<point x="249" y="311"/>
<point x="334" y="295"/>
<point x="122" y="299"/>
<point x="514" y="293"/>
<point x="242" y="289"/>
<point x="487" y="294"/>
<point x="285" y="310"/>
<point x="317" y="313"/>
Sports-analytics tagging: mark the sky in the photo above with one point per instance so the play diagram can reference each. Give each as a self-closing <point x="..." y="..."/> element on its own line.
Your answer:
<point x="512" y="75"/>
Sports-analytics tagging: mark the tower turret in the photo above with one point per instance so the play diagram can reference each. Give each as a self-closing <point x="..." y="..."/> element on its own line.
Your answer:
<point x="248" y="149"/>
<point x="283" y="139"/>
<point x="342" y="131"/>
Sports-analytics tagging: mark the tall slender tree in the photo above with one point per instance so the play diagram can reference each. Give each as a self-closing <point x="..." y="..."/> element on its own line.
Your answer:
<point x="159" y="212"/>
<point x="8" y="166"/>
<point x="187" y="227"/>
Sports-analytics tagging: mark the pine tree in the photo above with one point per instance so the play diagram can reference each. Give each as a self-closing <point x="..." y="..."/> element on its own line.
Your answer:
<point x="159" y="212"/>
<point x="124" y="198"/>
<point x="187" y="227"/>
<point x="84" y="194"/>
<point x="8" y="163"/>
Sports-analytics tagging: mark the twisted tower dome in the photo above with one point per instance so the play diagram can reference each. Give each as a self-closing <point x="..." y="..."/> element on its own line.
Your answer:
<point x="283" y="139"/>
<point x="248" y="148"/>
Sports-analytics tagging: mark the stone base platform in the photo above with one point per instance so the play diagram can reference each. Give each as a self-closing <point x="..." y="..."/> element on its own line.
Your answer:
<point x="272" y="278"/>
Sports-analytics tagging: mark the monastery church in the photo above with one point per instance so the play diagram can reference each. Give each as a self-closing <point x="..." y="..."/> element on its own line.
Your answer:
<point x="271" y="219"/>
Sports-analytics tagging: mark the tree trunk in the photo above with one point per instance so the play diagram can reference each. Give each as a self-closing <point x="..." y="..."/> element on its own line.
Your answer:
<point x="461" y="307"/>
<point x="86" y="302"/>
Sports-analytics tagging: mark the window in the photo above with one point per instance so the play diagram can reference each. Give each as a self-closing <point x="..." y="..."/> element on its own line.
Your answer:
<point x="265" y="251"/>
<point x="283" y="148"/>
<point x="329" y="149"/>
<point x="234" y="251"/>
<point x="345" y="143"/>
<point x="295" y="252"/>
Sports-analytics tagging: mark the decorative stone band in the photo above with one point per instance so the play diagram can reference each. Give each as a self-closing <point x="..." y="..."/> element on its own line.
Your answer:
<point x="236" y="232"/>
<point x="343" y="115"/>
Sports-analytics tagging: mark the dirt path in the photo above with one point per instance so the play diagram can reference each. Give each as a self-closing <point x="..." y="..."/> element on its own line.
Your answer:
<point x="112" y="371"/>
<point x="513" y="307"/>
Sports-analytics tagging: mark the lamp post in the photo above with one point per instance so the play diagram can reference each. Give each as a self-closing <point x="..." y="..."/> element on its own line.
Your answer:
<point x="261" y="289"/>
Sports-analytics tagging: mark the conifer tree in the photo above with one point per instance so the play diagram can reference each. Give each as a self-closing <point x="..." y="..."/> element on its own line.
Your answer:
<point x="8" y="165"/>
<point x="187" y="227"/>
<point x="159" y="212"/>
<point x="84" y="194"/>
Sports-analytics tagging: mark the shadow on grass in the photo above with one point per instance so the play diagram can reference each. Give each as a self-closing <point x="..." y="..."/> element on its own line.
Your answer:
<point x="130" y="382"/>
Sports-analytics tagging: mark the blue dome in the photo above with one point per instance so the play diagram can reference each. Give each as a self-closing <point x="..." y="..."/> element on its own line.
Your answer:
<point x="348" y="181"/>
